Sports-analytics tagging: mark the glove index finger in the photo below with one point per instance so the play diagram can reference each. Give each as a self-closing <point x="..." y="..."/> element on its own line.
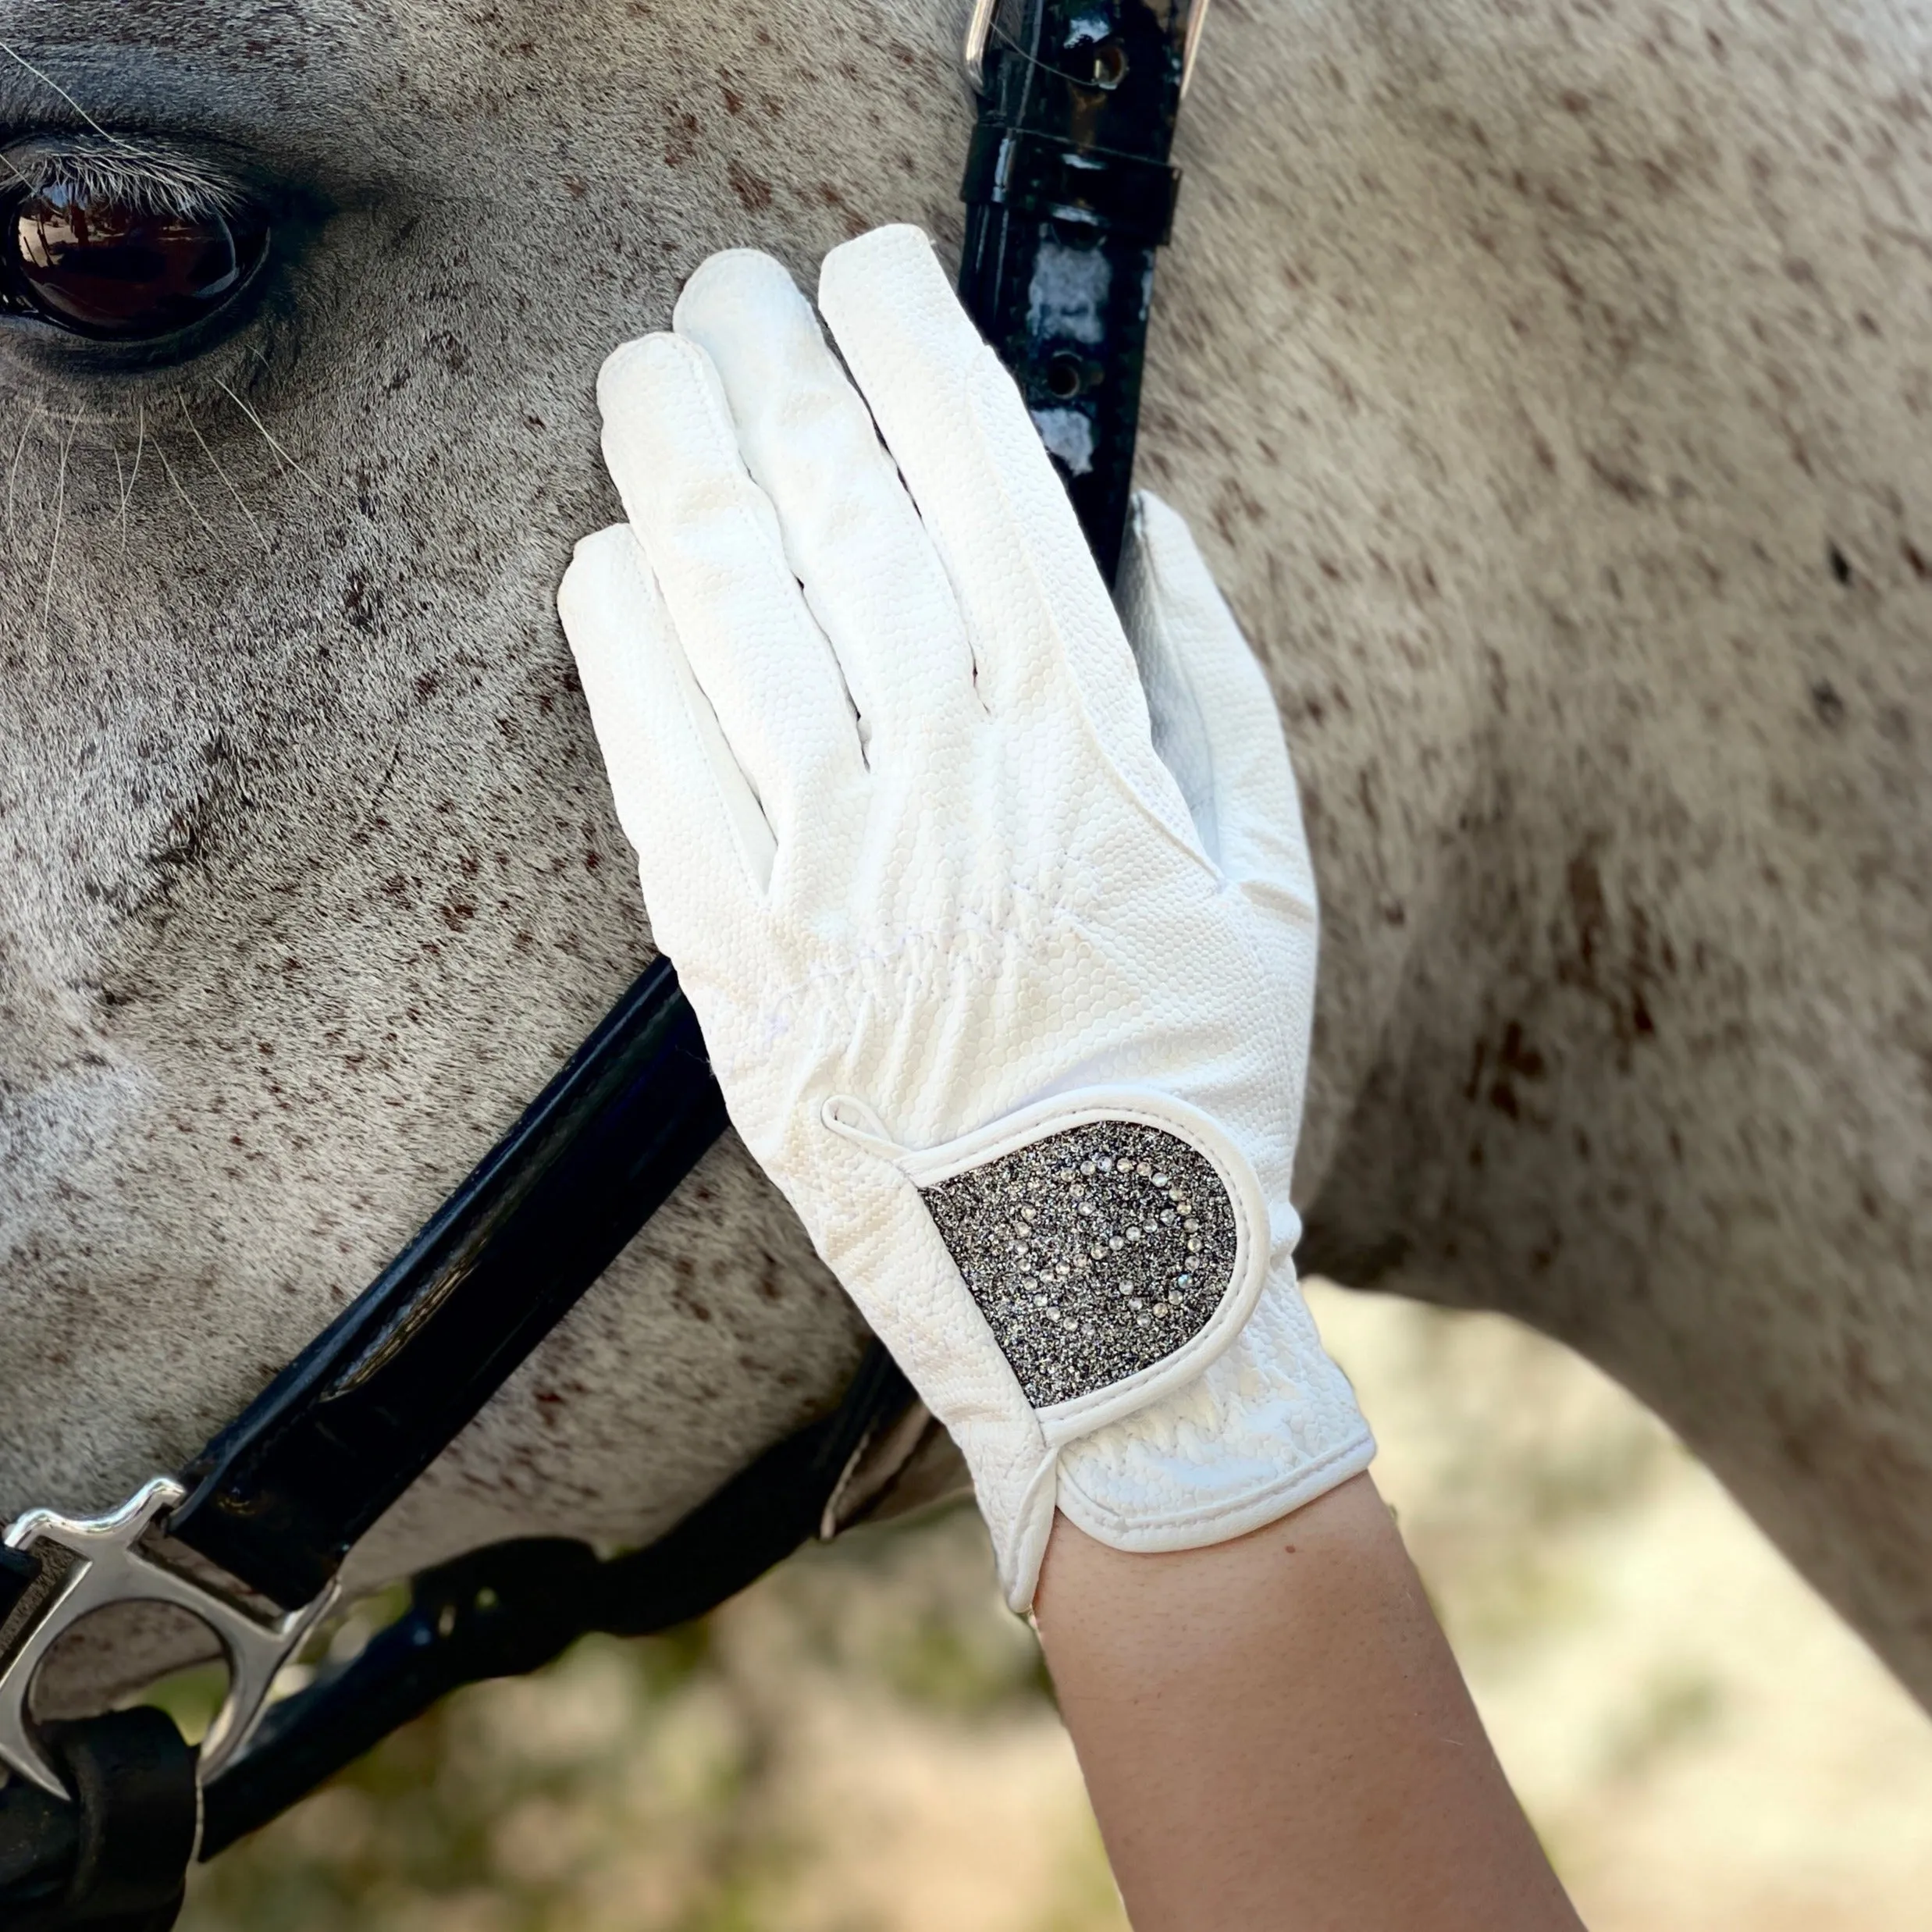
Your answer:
<point x="853" y="539"/>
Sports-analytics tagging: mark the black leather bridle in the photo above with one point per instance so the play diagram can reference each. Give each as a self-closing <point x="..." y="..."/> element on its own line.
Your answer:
<point x="100" y="1818"/>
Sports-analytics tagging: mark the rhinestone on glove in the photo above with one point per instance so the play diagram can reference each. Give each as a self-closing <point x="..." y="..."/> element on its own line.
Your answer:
<point x="1093" y="1254"/>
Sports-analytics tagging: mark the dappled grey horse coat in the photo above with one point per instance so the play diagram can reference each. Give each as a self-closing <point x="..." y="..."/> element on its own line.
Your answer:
<point x="1548" y="388"/>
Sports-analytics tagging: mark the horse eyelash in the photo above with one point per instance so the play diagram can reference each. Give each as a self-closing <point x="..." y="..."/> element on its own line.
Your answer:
<point x="155" y="180"/>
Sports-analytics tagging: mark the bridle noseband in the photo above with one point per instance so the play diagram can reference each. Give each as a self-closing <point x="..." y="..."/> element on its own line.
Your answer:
<point x="1078" y="100"/>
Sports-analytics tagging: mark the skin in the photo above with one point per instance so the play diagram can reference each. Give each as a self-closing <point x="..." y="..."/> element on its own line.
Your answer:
<point x="1547" y="392"/>
<point x="1275" y="1734"/>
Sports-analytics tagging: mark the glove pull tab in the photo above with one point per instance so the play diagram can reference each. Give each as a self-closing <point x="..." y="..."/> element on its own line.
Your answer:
<point x="853" y="1120"/>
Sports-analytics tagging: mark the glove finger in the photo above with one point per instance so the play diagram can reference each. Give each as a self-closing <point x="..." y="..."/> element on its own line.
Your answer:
<point x="1215" y="723"/>
<point x="701" y="840"/>
<point x="853" y="539"/>
<point x="1036" y="610"/>
<point x="711" y="539"/>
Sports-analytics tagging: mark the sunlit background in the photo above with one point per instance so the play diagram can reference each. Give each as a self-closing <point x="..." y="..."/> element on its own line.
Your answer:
<point x="865" y="1741"/>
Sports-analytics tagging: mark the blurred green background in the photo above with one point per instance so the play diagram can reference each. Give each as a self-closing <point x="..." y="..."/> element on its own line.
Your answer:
<point x="866" y="1741"/>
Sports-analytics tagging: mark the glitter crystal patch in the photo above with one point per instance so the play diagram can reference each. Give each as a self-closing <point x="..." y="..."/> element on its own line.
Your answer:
<point x="1093" y="1254"/>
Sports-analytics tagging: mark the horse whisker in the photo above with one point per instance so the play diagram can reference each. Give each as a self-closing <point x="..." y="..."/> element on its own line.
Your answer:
<point x="261" y="536"/>
<point x="127" y="493"/>
<point x="53" y="549"/>
<point x="13" y="468"/>
<point x="283" y="453"/>
<point x="48" y="80"/>
<point x="208" y="528"/>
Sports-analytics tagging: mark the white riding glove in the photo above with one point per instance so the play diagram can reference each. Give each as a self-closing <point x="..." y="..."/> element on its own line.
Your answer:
<point x="1008" y="988"/>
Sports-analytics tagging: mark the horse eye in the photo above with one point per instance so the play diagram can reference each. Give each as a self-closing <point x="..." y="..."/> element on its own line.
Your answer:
<point x="119" y="266"/>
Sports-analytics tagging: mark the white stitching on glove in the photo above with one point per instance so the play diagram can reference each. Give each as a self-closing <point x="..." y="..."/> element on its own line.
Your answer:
<point x="978" y="934"/>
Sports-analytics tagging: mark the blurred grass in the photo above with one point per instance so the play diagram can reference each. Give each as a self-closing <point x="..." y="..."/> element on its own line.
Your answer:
<point x="865" y="1741"/>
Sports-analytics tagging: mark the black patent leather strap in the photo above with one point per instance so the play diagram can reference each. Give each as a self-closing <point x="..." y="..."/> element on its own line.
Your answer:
<point x="1069" y="194"/>
<point x="279" y="1496"/>
<point x="1040" y="175"/>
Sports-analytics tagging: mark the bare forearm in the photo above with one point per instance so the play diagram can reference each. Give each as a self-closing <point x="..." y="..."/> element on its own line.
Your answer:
<point x="1275" y="1735"/>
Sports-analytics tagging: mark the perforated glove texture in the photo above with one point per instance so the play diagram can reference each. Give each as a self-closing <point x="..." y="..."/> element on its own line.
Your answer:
<point x="1000" y="928"/>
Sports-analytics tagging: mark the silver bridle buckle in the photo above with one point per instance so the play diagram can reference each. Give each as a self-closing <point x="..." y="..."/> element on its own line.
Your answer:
<point x="106" y="1566"/>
